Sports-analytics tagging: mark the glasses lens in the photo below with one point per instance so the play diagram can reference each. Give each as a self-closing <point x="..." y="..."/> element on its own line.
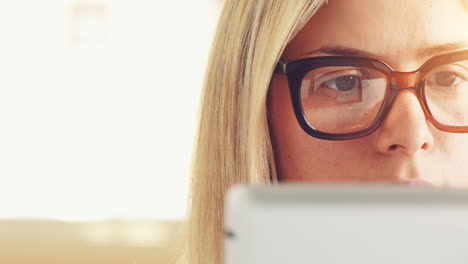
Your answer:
<point x="446" y="91"/>
<point x="340" y="100"/>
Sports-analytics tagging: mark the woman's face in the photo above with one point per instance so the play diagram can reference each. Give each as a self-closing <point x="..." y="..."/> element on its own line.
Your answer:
<point x="406" y="148"/>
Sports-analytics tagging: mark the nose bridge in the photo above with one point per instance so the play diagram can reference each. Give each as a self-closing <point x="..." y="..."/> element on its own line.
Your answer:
<point x="405" y="80"/>
<point x="405" y="127"/>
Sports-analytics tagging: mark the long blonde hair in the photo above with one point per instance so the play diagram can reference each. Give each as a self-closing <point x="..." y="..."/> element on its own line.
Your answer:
<point x="233" y="143"/>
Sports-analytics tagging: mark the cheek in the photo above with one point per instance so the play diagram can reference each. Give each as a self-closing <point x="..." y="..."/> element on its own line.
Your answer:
<point x="320" y="161"/>
<point x="290" y="144"/>
<point x="453" y="156"/>
<point x="451" y="146"/>
<point x="445" y="162"/>
<point x="450" y="162"/>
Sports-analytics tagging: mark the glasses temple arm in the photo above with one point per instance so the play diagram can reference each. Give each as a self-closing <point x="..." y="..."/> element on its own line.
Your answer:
<point x="281" y="67"/>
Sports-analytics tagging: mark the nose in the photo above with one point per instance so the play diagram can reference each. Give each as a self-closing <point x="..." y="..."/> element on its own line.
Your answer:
<point x="405" y="130"/>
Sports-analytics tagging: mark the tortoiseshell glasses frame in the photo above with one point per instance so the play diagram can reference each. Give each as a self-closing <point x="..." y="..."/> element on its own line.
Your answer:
<point x="396" y="81"/>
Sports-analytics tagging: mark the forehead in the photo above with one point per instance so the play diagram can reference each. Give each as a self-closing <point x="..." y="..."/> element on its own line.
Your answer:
<point x="395" y="30"/>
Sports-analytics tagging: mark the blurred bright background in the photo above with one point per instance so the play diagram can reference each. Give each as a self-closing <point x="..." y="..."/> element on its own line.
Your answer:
<point x="98" y="109"/>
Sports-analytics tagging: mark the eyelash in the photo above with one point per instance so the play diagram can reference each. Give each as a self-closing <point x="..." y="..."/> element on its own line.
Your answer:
<point x="352" y="72"/>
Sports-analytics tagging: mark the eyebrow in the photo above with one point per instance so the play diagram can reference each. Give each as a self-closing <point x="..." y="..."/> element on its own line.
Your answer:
<point x="421" y="53"/>
<point x="440" y="49"/>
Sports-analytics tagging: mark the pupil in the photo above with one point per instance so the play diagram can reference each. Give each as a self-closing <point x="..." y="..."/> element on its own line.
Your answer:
<point x="346" y="83"/>
<point x="445" y="78"/>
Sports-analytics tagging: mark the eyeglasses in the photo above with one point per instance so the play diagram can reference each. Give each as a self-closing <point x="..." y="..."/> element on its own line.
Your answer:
<point x="338" y="98"/>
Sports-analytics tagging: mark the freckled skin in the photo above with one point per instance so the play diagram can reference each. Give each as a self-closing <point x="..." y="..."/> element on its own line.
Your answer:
<point x="406" y="146"/>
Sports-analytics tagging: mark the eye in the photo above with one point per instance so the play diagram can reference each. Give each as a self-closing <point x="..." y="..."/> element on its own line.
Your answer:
<point x="343" y="83"/>
<point x="445" y="78"/>
<point x="448" y="76"/>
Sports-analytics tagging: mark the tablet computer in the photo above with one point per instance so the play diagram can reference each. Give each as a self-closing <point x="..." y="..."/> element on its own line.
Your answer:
<point x="331" y="224"/>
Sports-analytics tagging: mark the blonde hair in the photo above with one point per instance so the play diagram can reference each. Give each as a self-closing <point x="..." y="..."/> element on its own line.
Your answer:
<point x="233" y="143"/>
